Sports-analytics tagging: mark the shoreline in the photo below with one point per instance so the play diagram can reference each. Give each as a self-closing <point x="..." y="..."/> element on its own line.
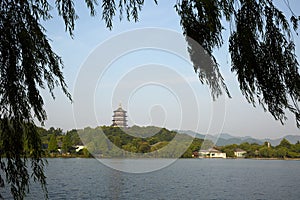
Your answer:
<point x="273" y="158"/>
<point x="74" y="156"/>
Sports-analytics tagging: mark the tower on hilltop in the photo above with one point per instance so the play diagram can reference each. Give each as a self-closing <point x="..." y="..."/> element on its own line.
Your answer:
<point x="119" y="117"/>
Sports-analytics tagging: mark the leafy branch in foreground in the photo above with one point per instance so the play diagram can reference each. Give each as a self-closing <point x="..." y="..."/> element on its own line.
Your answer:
<point x="27" y="63"/>
<point x="261" y="47"/>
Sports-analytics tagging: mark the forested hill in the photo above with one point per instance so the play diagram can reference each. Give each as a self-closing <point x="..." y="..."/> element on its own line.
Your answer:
<point x="148" y="142"/>
<point x="107" y="141"/>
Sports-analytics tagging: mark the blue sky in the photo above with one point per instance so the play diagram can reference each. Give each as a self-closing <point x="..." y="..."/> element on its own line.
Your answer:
<point x="159" y="100"/>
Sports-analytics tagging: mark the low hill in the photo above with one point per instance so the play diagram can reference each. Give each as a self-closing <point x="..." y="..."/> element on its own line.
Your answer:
<point x="107" y="141"/>
<point x="227" y="139"/>
<point x="291" y="138"/>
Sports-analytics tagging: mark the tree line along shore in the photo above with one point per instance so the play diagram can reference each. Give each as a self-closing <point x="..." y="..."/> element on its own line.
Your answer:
<point x="108" y="142"/>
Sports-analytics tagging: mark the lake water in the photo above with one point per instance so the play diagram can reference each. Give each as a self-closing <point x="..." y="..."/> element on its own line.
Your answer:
<point x="185" y="179"/>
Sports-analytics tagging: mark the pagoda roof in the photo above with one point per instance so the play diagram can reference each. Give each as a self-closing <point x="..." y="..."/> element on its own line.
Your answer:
<point x="119" y="117"/>
<point x="120" y="109"/>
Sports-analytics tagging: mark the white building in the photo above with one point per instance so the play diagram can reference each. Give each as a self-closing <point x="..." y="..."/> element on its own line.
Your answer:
<point x="79" y="147"/>
<point x="211" y="153"/>
<point x="240" y="153"/>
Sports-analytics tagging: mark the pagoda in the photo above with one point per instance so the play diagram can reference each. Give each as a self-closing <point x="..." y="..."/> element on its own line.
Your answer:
<point x="119" y="118"/>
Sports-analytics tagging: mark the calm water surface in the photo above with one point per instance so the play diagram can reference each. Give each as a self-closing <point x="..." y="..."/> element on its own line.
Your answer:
<point x="185" y="179"/>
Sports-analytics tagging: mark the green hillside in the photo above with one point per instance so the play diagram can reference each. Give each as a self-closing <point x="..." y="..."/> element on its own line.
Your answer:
<point x="145" y="142"/>
<point x="107" y="141"/>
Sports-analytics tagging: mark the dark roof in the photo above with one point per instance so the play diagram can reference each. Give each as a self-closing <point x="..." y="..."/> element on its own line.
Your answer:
<point x="211" y="150"/>
<point x="239" y="150"/>
<point x="120" y="110"/>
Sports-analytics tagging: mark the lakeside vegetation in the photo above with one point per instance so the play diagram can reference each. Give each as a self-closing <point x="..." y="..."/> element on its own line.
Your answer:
<point x="107" y="141"/>
<point x="282" y="151"/>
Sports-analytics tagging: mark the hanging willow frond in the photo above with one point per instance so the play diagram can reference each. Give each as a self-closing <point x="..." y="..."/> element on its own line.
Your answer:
<point x="261" y="47"/>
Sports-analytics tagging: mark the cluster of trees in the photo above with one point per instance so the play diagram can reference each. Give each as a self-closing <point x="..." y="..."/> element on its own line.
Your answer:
<point x="107" y="141"/>
<point x="56" y="143"/>
<point x="136" y="138"/>
<point x="284" y="150"/>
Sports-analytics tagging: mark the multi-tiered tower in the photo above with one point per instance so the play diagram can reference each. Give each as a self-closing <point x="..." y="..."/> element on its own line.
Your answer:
<point x="119" y="117"/>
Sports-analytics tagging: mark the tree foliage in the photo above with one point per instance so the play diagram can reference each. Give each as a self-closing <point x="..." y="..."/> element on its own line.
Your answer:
<point x="107" y="142"/>
<point x="28" y="63"/>
<point x="285" y="143"/>
<point x="261" y="47"/>
<point x="284" y="150"/>
<point x="52" y="146"/>
<point x="66" y="143"/>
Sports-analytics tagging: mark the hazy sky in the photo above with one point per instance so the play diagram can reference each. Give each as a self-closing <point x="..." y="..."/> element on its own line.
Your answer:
<point x="156" y="85"/>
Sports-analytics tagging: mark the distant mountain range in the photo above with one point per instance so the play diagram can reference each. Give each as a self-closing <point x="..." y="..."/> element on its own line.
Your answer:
<point x="226" y="139"/>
